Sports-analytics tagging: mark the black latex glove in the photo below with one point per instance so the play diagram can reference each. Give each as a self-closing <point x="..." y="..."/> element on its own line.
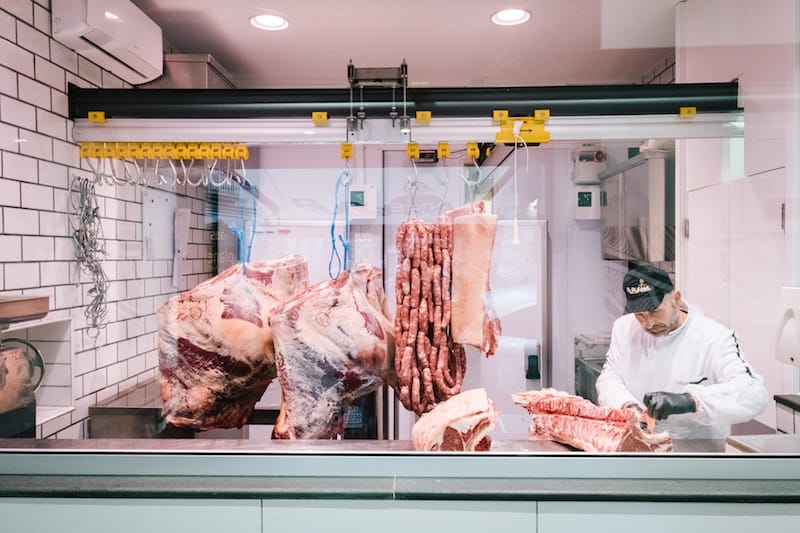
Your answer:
<point x="661" y="404"/>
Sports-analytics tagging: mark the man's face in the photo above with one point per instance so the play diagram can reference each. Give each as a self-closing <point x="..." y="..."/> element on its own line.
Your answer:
<point x="664" y="319"/>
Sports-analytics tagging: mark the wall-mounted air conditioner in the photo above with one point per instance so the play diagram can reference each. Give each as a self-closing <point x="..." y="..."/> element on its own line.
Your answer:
<point x="115" y="34"/>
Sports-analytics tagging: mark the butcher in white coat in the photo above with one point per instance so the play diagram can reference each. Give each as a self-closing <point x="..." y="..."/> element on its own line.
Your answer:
<point x="687" y="370"/>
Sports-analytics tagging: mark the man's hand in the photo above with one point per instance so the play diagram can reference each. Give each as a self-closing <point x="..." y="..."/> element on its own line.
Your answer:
<point x="633" y="406"/>
<point x="661" y="405"/>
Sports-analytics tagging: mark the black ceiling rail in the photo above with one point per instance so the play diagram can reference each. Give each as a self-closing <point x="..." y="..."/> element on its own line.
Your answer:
<point x="567" y="100"/>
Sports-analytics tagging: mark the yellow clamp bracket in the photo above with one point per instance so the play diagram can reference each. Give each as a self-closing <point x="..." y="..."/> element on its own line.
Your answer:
<point x="319" y="117"/>
<point x="240" y="152"/>
<point x="499" y="115"/>
<point x="137" y="150"/>
<point x="347" y="151"/>
<point x="86" y="150"/>
<point x="443" y="150"/>
<point x="97" y="116"/>
<point x="531" y="129"/>
<point x="412" y="150"/>
<point x="473" y="150"/>
<point x="423" y="117"/>
<point x="688" y="112"/>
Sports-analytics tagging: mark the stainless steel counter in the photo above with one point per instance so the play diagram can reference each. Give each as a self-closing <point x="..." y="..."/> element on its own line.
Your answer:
<point x="386" y="470"/>
<point x="238" y="446"/>
<point x="775" y="443"/>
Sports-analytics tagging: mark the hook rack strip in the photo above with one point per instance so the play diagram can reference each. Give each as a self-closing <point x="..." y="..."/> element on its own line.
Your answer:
<point x="163" y="150"/>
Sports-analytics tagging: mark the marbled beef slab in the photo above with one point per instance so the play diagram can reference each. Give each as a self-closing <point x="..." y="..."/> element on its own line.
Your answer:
<point x="577" y="422"/>
<point x="216" y="355"/>
<point x="462" y="423"/>
<point x="333" y="344"/>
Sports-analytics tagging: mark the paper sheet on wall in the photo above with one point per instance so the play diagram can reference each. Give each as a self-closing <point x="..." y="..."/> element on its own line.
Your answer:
<point x="181" y="263"/>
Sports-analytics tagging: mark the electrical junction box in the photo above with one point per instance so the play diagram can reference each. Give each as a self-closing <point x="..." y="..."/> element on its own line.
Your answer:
<point x="589" y="161"/>
<point x="363" y="202"/>
<point x="587" y="202"/>
<point x="587" y="171"/>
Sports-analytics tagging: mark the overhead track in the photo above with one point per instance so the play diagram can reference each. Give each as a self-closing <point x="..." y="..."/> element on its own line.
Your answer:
<point x="568" y="100"/>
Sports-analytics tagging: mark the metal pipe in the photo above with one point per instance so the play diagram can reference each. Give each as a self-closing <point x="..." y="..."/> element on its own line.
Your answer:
<point x="585" y="100"/>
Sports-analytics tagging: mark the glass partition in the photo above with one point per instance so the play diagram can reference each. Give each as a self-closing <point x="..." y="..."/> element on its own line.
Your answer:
<point x="230" y="276"/>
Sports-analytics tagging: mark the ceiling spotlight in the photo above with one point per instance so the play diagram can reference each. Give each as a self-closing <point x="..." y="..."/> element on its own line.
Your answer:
<point x="511" y="17"/>
<point x="269" y="22"/>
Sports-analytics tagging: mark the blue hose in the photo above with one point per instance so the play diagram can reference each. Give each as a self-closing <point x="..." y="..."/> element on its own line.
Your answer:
<point x="343" y="260"/>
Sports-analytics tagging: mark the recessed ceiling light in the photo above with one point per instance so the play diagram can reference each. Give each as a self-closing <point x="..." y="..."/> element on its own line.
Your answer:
<point x="511" y="17"/>
<point x="269" y="22"/>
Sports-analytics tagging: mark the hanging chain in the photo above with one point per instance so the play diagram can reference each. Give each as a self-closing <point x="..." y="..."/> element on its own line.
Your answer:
<point x="90" y="249"/>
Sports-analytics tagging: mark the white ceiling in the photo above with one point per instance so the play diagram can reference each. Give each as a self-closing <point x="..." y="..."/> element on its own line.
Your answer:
<point x="446" y="43"/>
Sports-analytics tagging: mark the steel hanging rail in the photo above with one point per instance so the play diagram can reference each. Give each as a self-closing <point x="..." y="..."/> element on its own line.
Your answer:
<point x="568" y="100"/>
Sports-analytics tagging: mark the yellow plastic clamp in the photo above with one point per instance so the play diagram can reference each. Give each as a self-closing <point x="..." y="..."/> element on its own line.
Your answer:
<point x="688" y="112"/>
<point x="97" y="116"/>
<point x="227" y="151"/>
<point x="347" y="151"/>
<point x="423" y="117"/>
<point x="531" y="129"/>
<point x="499" y="115"/>
<point x="443" y="150"/>
<point x="412" y="150"/>
<point x="541" y="114"/>
<point x="473" y="150"/>
<point x="241" y="152"/>
<point x="86" y="150"/>
<point x="319" y="117"/>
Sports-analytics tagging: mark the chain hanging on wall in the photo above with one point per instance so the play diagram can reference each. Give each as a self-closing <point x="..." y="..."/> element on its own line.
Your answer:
<point x="87" y="235"/>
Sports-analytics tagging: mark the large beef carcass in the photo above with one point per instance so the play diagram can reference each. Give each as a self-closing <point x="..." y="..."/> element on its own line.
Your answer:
<point x="333" y="344"/>
<point x="577" y="422"/>
<point x="462" y="423"/>
<point x="216" y="355"/>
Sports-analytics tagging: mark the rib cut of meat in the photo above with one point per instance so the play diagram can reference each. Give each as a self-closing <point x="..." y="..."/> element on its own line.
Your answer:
<point x="333" y="344"/>
<point x="473" y="319"/>
<point x="216" y="356"/>
<point x="577" y="422"/>
<point x="462" y="423"/>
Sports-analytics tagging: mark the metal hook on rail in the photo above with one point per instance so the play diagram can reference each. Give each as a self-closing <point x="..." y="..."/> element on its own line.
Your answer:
<point x="412" y="190"/>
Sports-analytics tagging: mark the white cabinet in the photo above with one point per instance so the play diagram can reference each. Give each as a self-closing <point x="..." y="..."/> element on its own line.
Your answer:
<point x="666" y="517"/>
<point x="394" y="516"/>
<point x="125" y="515"/>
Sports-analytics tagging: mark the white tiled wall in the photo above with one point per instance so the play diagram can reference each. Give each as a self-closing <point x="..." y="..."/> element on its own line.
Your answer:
<point x="36" y="249"/>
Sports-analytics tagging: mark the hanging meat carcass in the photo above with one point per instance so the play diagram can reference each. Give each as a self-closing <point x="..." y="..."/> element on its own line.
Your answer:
<point x="333" y="344"/>
<point x="440" y="285"/>
<point x="216" y="355"/>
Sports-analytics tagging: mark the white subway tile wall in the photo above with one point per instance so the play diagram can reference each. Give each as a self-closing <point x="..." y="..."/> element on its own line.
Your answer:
<point x="37" y="256"/>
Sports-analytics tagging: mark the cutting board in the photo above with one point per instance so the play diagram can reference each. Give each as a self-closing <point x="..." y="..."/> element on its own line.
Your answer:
<point x="21" y="308"/>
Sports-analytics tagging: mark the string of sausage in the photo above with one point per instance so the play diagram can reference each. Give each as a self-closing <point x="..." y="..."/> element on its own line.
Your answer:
<point x="430" y="367"/>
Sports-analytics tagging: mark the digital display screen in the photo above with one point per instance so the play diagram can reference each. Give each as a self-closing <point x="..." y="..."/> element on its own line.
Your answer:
<point x="584" y="199"/>
<point x="357" y="198"/>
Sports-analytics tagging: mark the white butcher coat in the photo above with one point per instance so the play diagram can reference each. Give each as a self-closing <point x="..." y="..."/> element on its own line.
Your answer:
<point x="701" y="357"/>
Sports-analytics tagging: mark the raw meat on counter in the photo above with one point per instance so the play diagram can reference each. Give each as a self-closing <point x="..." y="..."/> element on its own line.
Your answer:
<point x="333" y="344"/>
<point x="215" y="349"/>
<point x="462" y="423"/>
<point x="577" y="422"/>
<point x="430" y="364"/>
